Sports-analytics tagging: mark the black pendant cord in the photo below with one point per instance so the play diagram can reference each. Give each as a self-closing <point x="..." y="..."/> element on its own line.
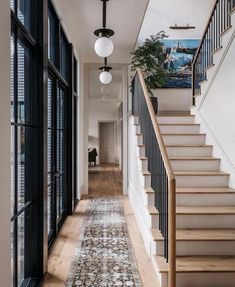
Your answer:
<point x="104" y="13"/>
<point x="105" y="67"/>
<point x="104" y="32"/>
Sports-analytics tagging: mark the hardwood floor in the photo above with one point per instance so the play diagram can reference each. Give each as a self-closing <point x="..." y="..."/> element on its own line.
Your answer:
<point x="103" y="181"/>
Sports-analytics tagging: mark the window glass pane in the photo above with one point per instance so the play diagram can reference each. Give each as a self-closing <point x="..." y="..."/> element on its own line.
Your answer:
<point x="24" y="99"/>
<point x="49" y="206"/>
<point x="21" y="167"/>
<point x="12" y="253"/>
<point x="60" y="151"/>
<point x="12" y="78"/>
<point x="64" y="57"/>
<point x="52" y="37"/>
<point x="24" y="12"/>
<point x="20" y="248"/>
<point x="12" y="169"/>
<point x="49" y="155"/>
<point x="75" y="75"/>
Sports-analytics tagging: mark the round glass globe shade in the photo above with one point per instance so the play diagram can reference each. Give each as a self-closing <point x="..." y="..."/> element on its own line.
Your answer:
<point x="104" y="47"/>
<point x="106" y="78"/>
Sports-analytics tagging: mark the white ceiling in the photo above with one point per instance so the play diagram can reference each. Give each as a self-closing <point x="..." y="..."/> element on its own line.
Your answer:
<point x="83" y="17"/>
<point x="111" y="92"/>
<point x="162" y="14"/>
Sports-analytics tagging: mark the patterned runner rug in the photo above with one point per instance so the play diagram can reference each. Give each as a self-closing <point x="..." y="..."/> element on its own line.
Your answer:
<point x="104" y="255"/>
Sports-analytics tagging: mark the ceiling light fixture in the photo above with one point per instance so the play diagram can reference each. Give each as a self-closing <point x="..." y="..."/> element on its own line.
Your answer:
<point x="105" y="77"/>
<point x="104" y="45"/>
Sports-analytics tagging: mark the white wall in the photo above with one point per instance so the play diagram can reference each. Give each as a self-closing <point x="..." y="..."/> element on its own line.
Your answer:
<point x="174" y="99"/>
<point x="101" y="112"/>
<point x="5" y="142"/>
<point x="119" y="134"/>
<point x="216" y="112"/>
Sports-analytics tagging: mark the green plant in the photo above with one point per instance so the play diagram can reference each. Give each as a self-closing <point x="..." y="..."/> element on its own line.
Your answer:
<point x="150" y="58"/>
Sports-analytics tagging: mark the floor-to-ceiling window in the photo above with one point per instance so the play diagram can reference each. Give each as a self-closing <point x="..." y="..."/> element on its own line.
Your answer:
<point x="25" y="226"/>
<point x="41" y="136"/>
<point x="60" y="132"/>
<point x="75" y="127"/>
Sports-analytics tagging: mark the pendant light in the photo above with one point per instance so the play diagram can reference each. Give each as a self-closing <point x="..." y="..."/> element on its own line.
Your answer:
<point x="104" y="45"/>
<point x="105" y="77"/>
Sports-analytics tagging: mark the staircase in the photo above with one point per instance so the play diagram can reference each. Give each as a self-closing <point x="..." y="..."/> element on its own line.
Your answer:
<point x="205" y="211"/>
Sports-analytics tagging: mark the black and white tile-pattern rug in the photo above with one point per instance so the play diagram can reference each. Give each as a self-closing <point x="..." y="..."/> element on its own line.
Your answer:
<point x="104" y="255"/>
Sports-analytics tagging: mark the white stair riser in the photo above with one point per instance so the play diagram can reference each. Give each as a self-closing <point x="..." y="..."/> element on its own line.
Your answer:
<point x="217" y="56"/>
<point x="210" y="72"/>
<point x="149" y="199"/>
<point x="136" y="120"/>
<point x="189" y="151"/>
<point x="202" y="279"/>
<point x="137" y="129"/>
<point x="205" y="180"/>
<point x="144" y="164"/>
<point x="205" y="199"/>
<point x="180" y="129"/>
<point x="233" y="19"/>
<point x="141" y="151"/>
<point x="176" y="120"/>
<point x="184" y="139"/>
<point x="139" y="139"/>
<point x="205" y="221"/>
<point x="225" y="38"/>
<point x="204" y="86"/>
<point x="184" y="248"/>
<point x="146" y="180"/>
<point x="203" y="165"/>
<point x="152" y="219"/>
<point x="198" y="99"/>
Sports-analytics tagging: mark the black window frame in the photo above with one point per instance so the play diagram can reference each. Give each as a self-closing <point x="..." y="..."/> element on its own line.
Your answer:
<point x="64" y="80"/>
<point x="34" y="41"/>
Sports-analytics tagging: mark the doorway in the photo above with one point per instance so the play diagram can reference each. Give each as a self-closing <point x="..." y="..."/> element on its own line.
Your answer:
<point x="107" y="142"/>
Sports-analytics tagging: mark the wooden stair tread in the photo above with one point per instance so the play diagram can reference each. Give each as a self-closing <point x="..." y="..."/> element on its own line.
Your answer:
<point x="189" y="145"/>
<point x="152" y="210"/>
<point x="205" y="210"/>
<point x="143" y="158"/>
<point x="199" y="235"/>
<point x="212" y="190"/>
<point x="193" y="158"/>
<point x="198" y="210"/>
<point x="149" y="190"/>
<point x="201" y="173"/>
<point x="179" y="124"/>
<point x="186" y="264"/>
<point x="194" y="134"/>
<point x="145" y="172"/>
<point x="176" y="115"/>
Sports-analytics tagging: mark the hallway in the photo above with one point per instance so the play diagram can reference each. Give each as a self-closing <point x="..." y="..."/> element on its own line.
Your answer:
<point x="105" y="190"/>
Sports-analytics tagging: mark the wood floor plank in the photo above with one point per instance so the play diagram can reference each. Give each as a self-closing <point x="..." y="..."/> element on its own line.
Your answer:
<point x="103" y="181"/>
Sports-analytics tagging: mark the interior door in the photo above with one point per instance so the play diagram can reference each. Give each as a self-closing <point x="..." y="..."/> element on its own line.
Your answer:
<point x="107" y="143"/>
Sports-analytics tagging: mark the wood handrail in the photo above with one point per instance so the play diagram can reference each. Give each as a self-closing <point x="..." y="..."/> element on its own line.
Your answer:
<point x="171" y="187"/>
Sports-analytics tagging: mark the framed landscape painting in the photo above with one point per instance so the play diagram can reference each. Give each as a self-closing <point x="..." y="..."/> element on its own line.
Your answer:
<point x="178" y="60"/>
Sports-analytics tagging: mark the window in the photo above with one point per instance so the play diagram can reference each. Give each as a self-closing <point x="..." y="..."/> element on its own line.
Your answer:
<point x="26" y="242"/>
<point x="53" y="25"/>
<point x="64" y="57"/>
<point x="59" y="131"/>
